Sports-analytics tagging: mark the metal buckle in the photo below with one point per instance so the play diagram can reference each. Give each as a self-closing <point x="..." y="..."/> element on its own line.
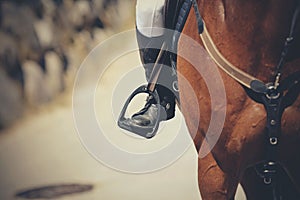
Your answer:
<point x="175" y="86"/>
<point x="267" y="181"/>
<point x="273" y="140"/>
<point x="272" y="92"/>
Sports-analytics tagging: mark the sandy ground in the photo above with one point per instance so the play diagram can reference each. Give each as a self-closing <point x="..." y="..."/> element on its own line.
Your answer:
<point x="48" y="147"/>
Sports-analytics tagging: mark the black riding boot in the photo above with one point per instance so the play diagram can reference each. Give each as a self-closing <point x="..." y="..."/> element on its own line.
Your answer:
<point x="145" y="119"/>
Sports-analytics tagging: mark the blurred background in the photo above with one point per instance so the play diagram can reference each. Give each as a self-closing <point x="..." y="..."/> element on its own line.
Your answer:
<point x="43" y="42"/>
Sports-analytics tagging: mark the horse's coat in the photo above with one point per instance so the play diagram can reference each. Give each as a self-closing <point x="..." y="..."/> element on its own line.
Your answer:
<point x="251" y="35"/>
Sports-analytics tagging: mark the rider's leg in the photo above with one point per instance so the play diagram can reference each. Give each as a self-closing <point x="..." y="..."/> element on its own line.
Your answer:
<point x="150" y="21"/>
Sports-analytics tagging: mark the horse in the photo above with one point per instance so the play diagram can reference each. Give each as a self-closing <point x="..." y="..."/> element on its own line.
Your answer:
<point x="250" y="35"/>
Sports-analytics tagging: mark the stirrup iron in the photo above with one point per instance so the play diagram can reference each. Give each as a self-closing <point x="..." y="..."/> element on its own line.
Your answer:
<point x="145" y="132"/>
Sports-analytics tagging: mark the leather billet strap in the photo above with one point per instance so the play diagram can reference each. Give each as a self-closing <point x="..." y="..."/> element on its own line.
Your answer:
<point x="240" y="76"/>
<point x="237" y="74"/>
<point x="248" y="81"/>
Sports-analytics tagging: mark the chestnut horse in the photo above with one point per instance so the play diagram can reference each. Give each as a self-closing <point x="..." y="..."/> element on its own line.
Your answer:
<point x="250" y="35"/>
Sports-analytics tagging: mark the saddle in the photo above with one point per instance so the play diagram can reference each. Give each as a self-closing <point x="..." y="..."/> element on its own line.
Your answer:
<point x="171" y="13"/>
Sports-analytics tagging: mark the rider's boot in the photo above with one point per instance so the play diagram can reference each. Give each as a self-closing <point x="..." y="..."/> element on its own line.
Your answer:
<point x="146" y="118"/>
<point x="152" y="111"/>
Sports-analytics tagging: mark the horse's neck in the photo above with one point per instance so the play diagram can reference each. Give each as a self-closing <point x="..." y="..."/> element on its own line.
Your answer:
<point x="250" y="34"/>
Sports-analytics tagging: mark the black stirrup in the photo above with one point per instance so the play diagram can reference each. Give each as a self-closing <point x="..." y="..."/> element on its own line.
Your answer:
<point x="124" y="123"/>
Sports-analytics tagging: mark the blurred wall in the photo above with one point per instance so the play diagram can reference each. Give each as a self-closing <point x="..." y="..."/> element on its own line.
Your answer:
<point x="42" y="43"/>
